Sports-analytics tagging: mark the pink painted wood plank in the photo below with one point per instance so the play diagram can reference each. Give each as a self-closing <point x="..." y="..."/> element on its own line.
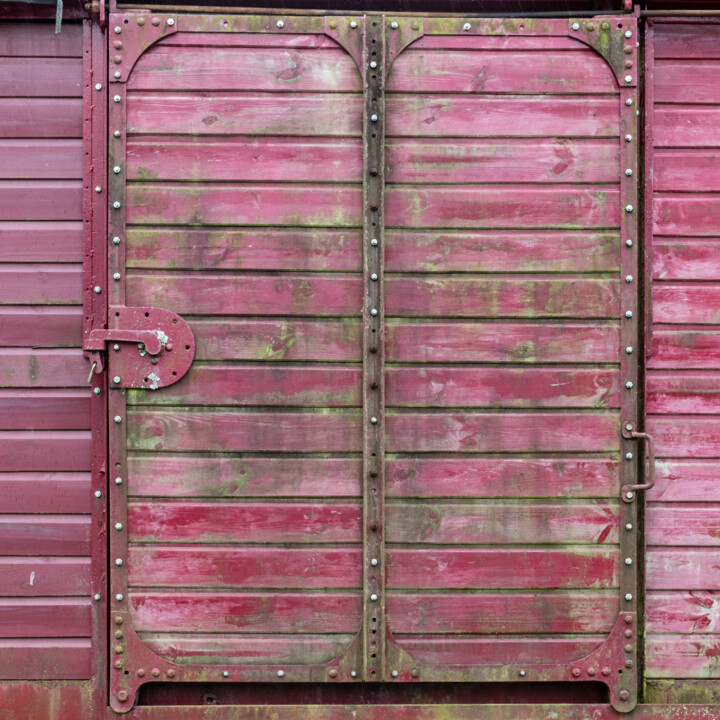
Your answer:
<point x="45" y="534"/>
<point x="686" y="525"/>
<point x="692" y="41"/>
<point x="226" y="69"/>
<point x="508" y="71"/>
<point x="273" y="340"/>
<point x="40" y="199"/>
<point x="204" y="522"/>
<point x="501" y="477"/>
<point x="233" y="567"/>
<point x="530" y="206"/>
<point x="24" y="367"/>
<point x="42" y="577"/>
<point x="685" y="259"/>
<point x="44" y="409"/>
<point x="687" y="612"/>
<point x="246" y="159"/>
<point x="677" y="392"/>
<point x="686" y="126"/>
<point x="683" y="214"/>
<point x="682" y="568"/>
<point x="428" y="296"/>
<point x="440" y="116"/>
<point x="157" y="475"/>
<point x="254" y="648"/>
<point x="686" y="81"/>
<point x="46" y="450"/>
<point x="32" y="39"/>
<point x="695" y="349"/>
<point x="47" y="242"/>
<point x="233" y="431"/>
<point x="45" y="617"/>
<point x="507" y="568"/>
<point x="271" y="204"/>
<point x="38" y="326"/>
<point x="500" y="387"/>
<point x="686" y="481"/>
<point x="501" y="342"/>
<point x="682" y="656"/>
<point x="245" y="113"/>
<point x="61" y="118"/>
<point x="447" y="251"/>
<point x="213" y="294"/>
<point x="502" y="432"/>
<point x="40" y="284"/>
<point x="686" y="303"/>
<point x="52" y="492"/>
<point x="240" y="384"/>
<point x="41" y="159"/>
<point x="490" y="613"/>
<point x="246" y="612"/>
<point x="527" y="523"/>
<point x="44" y="77"/>
<point x="45" y="659"/>
<point x="686" y="170"/>
<point x="693" y="437"/>
<point x="260" y="249"/>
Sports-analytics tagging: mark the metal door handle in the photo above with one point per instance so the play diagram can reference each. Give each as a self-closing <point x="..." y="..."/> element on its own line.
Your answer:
<point x="629" y="491"/>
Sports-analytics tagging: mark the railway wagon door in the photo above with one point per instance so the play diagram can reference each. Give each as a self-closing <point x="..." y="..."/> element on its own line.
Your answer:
<point x="372" y="350"/>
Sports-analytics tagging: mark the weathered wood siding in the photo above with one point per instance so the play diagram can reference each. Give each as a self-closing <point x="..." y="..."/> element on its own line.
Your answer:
<point x="683" y="391"/>
<point x="44" y="397"/>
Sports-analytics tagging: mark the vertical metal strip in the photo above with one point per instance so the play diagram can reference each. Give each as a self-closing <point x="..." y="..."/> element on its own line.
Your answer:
<point x="373" y="351"/>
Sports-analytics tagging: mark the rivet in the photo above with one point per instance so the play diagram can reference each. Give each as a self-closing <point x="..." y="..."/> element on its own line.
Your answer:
<point x="628" y="526"/>
<point x="116" y="276"/>
<point x="118" y="665"/>
<point x="98" y="189"/>
<point x="628" y="278"/>
<point x="98" y="86"/>
<point x="119" y="634"/>
<point x="118" y="45"/>
<point x="628" y="350"/>
<point x="117" y="419"/>
<point x="123" y="695"/>
<point x="353" y="673"/>
<point x="629" y="242"/>
<point x="628" y="313"/>
<point x="118" y="481"/>
<point x="628" y="561"/>
<point x="373" y="118"/>
<point x="590" y="27"/>
<point x="466" y="26"/>
<point x="373" y="420"/>
<point x="116" y="133"/>
<point x="606" y="671"/>
<point x="118" y="29"/>
<point x="629" y="384"/>
<point x="116" y="347"/>
<point x="628" y="633"/>
<point x="98" y="494"/>
<point x="118" y="620"/>
<point x="415" y="672"/>
<point x="116" y="379"/>
<point x="629" y="208"/>
<point x="629" y="101"/>
<point x="629" y="496"/>
<point x="155" y="672"/>
<point x="118" y="74"/>
<point x="628" y="172"/>
<point x="353" y="24"/>
<point x="394" y="673"/>
<point x="170" y="673"/>
<point x="628" y="34"/>
<point x="628" y="78"/>
<point x="628" y="138"/>
<point x="97" y="289"/>
<point x="374" y="242"/>
<point x="628" y="456"/>
<point x="576" y="26"/>
<point x="226" y="674"/>
<point x="118" y="562"/>
<point x="628" y="663"/>
<point x="118" y="526"/>
<point x="281" y="673"/>
<point x="591" y="671"/>
<point x="576" y="672"/>
<point x="333" y="673"/>
<point x="170" y="22"/>
<point x="116" y="240"/>
<point x="374" y="562"/>
<point x="374" y="277"/>
<point x="119" y="597"/>
<point x="373" y="312"/>
<point x="117" y="98"/>
<point x="373" y="64"/>
<point x="628" y="427"/>
<point x="140" y="673"/>
<point x="156" y="21"/>
<point x="628" y="648"/>
<point x="628" y="619"/>
<point x="97" y="390"/>
<point x="119" y="650"/>
<point x="117" y="205"/>
<point x="333" y="24"/>
<point x="605" y="25"/>
<point x="628" y="64"/>
<point x="394" y="25"/>
<point x="280" y="23"/>
<point x="374" y="597"/>
<point x="522" y="673"/>
<point x="628" y="597"/>
<point x="117" y="169"/>
<point x="96" y="597"/>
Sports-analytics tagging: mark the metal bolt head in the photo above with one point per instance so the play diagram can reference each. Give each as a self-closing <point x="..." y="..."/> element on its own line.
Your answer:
<point x="226" y="674"/>
<point x="118" y="562"/>
<point x="394" y="673"/>
<point x="591" y="671"/>
<point x="97" y="391"/>
<point x="628" y="34"/>
<point x="97" y="289"/>
<point x="117" y="205"/>
<point x="628" y="78"/>
<point x="628" y="278"/>
<point x="374" y="277"/>
<point x="374" y="562"/>
<point x="466" y="26"/>
<point x="374" y="597"/>
<point x="117" y="133"/>
<point x="394" y="25"/>
<point x="373" y="420"/>
<point x="628" y="526"/>
<point x="629" y="495"/>
<point x="628" y="561"/>
<point x="373" y="118"/>
<point x="117" y="169"/>
<point x="119" y="597"/>
<point x="576" y="26"/>
<point x="117" y="419"/>
<point x="629" y="101"/>
<point x="98" y="494"/>
<point x="522" y="673"/>
<point x="629" y="242"/>
<point x="373" y="312"/>
<point x="116" y="347"/>
<point x="170" y="22"/>
<point x="116" y="240"/>
<point x="628" y="138"/>
<point x="629" y="385"/>
<point x="628" y="456"/>
<point x="116" y="379"/>
<point x="353" y="673"/>
<point x="373" y="64"/>
<point x="374" y="242"/>
<point x="628" y="313"/>
<point x="118" y="481"/>
<point x="118" y="526"/>
<point x="118" y="29"/>
<point x="629" y="208"/>
<point x="280" y="23"/>
<point x="98" y="189"/>
<point x="628" y="172"/>
<point x="98" y="86"/>
<point x="281" y="673"/>
<point x="629" y="350"/>
<point x="96" y="597"/>
<point x="118" y="74"/>
<point x="628" y="596"/>
<point x="353" y="25"/>
<point x="122" y="695"/>
<point x="117" y="98"/>
<point x="576" y="672"/>
<point x="629" y="427"/>
<point x="116" y="276"/>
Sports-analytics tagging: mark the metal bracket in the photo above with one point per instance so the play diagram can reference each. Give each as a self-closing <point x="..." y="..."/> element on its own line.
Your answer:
<point x="348" y="32"/>
<point x="629" y="492"/>
<point x="399" y="33"/>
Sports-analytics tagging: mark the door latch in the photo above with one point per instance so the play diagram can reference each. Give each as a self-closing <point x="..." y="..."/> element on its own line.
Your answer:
<point x="629" y="491"/>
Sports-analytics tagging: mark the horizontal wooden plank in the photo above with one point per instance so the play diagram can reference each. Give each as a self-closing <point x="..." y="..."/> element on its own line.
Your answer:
<point x="261" y="249"/>
<point x="501" y="342"/>
<point x="694" y="349"/>
<point x="290" y="40"/>
<point x="40" y="284"/>
<point x="693" y="525"/>
<point x="690" y="41"/>
<point x="541" y="43"/>
<point x="232" y="567"/>
<point x="685" y="259"/>
<point x="327" y="69"/>
<point x="687" y="170"/>
<point x="44" y="77"/>
<point x="47" y="242"/>
<point x="685" y="612"/>
<point x="30" y="450"/>
<point x="501" y="477"/>
<point x="240" y="384"/>
<point x="47" y="576"/>
<point x="502" y="432"/>
<point x="245" y="159"/>
<point x="45" y="409"/>
<point x="44" y="617"/>
<point x="274" y="340"/>
<point x="415" y="115"/>
<point x="45" y="659"/>
<point x="40" y="199"/>
<point x="36" y="40"/>
<point x="208" y="522"/>
<point x="509" y="568"/>
<point x="23" y="367"/>
<point x="500" y="387"/>
<point x="205" y="293"/>
<point x="436" y="296"/>
<point x="685" y="481"/>
<point x="152" y="475"/>
<point x="682" y="392"/>
<point x="270" y="204"/>
<point x="676" y="303"/>
<point x="41" y="159"/>
<point x="248" y="612"/>
<point x="506" y="71"/>
<point x="248" y="648"/>
<point x="40" y="326"/>
<point x="682" y="214"/>
<point x="45" y="534"/>
<point x="456" y="251"/>
<point x="40" y="118"/>
<point x="680" y="656"/>
<point x="670" y="81"/>
<point x="27" y="492"/>
<point x="684" y="126"/>
<point x="212" y="113"/>
<point x="531" y="523"/>
<point x="494" y="613"/>
<point x="682" y="568"/>
<point x="516" y="206"/>
<point x="690" y="437"/>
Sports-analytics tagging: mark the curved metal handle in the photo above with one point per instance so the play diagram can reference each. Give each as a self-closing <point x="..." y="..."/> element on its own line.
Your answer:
<point x="629" y="491"/>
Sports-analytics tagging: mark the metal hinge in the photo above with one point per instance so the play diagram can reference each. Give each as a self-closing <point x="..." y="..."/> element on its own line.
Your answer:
<point x="97" y="7"/>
